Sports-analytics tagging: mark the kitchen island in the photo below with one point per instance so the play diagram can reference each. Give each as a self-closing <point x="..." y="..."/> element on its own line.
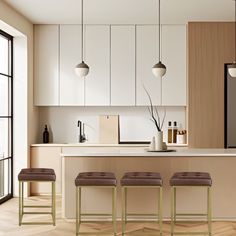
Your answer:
<point x="220" y="163"/>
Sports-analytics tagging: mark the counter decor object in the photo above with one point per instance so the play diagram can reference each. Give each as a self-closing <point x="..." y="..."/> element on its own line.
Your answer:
<point x="109" y="129"/>
<point x="181" y="137"/>
<point x="45" y="135"/>
<point x="170" y="132"/>
<point x="158" y="122"/>
<point x="174" y="132"/>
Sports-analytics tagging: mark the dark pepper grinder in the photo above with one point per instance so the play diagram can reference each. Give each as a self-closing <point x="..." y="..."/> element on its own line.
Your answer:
<point x="46" y="135"/>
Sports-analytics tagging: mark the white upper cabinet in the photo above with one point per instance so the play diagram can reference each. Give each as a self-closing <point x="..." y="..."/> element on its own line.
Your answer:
<point x="46" y="65"/>
<point x="97" y="56"/>
<point x="120" y="58"/>
<point x="146" y="56"/>
<point x="71" y="86"/>
<point x="174" y="57"/>
<point x="122" y="65"/>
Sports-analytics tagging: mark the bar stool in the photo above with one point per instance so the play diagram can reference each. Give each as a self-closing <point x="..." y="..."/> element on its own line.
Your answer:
<point x="36" y="175"/>
<point x="190" y="179"/>
<point x="95" y="180"/>
<point x="141" y="180"/>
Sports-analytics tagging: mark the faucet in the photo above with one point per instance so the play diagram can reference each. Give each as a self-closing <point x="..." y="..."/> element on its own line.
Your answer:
<point x="82" y="137"/>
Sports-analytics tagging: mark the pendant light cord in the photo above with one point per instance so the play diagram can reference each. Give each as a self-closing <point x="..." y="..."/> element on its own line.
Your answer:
<point x="160" y="30"/>
<point x="82" y="30"/>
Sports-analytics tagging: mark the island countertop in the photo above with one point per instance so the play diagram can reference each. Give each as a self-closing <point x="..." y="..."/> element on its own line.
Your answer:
<point x="143" y="152"/>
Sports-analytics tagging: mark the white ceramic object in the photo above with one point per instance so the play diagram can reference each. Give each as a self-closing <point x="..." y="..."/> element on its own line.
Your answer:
<point x="152" y="145"/>
<point x="159" y="140"/>
<point x="181" y="138"/>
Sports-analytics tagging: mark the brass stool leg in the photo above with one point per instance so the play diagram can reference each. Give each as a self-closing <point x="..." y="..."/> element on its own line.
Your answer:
<point x="123" y="211"/>
<point x="172" y="210"/>
<point x="175" y="205"/>
<point x="78" y="209"/>
<point x="126" y="192"/>
<point x="20" y="209"/>
<point x="54" y="203"/>
<point x="209" y="211"/>
<point x="76" y="222"/>
<point x="114" y="209"/>
<point x="160" y="210"/>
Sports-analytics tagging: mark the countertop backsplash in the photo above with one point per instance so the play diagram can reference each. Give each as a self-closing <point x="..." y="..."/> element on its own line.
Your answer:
<point x="135" y="123"/>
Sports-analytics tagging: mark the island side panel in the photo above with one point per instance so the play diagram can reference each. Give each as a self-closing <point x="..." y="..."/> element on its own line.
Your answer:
<point x="222" y="170"/>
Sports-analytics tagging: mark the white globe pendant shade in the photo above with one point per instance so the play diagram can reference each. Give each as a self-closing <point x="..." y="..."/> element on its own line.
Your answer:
<point x="159" y="70"/>
<point x="232" y="70"/>
<point x="82" y="69"/>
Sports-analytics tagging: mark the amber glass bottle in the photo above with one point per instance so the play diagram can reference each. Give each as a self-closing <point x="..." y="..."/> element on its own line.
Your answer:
<point x="175" y="130"/>
<point x="170" y="133"/>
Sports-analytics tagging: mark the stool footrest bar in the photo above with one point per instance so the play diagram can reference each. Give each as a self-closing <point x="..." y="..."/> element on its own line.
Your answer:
<point x="33" y="206"/>
<point x="36" y="223"/>
<point x="37" y="213"/>
<point x="181" y="214"/>
<point x="156" y="215"/>
<point x="96" y="214"/>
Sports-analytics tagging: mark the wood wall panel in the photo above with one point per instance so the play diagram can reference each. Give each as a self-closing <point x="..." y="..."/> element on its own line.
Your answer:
<point x="210" y="46"/>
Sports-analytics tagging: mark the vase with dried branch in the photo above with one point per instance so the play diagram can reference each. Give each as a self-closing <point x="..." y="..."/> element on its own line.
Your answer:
<point x="157" y="121"/>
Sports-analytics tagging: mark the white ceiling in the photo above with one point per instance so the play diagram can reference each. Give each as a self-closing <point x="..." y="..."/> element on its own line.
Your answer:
<point x="123" y="11"/>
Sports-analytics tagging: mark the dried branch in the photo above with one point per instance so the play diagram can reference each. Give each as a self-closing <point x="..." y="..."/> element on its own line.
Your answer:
<point x="151" y="111"/>
<point x="164" y="117"/>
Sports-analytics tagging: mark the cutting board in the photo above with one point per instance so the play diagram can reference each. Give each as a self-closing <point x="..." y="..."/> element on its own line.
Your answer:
<point x="109" y="129"/>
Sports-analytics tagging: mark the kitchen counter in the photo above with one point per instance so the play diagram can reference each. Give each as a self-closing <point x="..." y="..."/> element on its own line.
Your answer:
<point x="142" y="152"/>
<point x="97" y="145"/>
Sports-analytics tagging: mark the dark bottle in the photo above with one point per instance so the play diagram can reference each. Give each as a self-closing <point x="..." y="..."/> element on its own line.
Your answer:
<point x="46" y="135"/>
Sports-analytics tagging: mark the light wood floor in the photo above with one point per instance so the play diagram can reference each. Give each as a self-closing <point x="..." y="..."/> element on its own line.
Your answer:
<point x="9" y="224"/>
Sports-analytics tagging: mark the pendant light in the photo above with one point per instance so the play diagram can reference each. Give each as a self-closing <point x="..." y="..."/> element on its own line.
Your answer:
<point x="232" y="67"/>
<point x="82" y="69"/>
<point x="159" y="69"/>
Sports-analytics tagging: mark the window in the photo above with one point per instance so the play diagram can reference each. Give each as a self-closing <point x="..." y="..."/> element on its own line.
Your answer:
<point x="6" y="116"/>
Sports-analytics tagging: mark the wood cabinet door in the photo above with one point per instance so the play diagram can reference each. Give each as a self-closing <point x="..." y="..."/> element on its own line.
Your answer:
<point x="46" y="157"/>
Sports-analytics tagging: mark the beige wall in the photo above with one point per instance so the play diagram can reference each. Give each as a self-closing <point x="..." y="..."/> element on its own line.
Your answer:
<point x="20" y="23"/>
<point x="14" y="23"/>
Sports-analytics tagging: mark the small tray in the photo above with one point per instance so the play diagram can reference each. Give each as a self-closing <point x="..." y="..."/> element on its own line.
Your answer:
<point x="167" y="150"/>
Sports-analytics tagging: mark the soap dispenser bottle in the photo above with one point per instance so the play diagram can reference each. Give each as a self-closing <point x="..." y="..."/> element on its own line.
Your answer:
<point x="46" y="135"/>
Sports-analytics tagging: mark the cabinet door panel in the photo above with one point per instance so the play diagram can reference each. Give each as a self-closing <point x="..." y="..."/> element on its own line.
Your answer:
<point x="123" y="65"/>
<point x="147" y="56"/>
<point x="46" y="69"/>
<point x="46" y="157"/>
<point x="97" y="56"/>
<point x="174" y="57"/>
<point x="71" y="86"/>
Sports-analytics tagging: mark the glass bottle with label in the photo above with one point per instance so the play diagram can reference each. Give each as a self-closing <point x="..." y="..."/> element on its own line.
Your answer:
<point x="175" y="130"/>
<point x="170" y="132"/>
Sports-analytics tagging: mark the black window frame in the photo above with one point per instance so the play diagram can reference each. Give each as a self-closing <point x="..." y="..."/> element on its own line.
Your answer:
<point x="9" y="116"/>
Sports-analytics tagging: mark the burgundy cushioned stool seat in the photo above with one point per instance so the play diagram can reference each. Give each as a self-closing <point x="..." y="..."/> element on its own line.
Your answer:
<point x="141" y="179"/>
<point x="95" y="179"/>
<point x="191" y="179"/>
<point x="37" y="174"/>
